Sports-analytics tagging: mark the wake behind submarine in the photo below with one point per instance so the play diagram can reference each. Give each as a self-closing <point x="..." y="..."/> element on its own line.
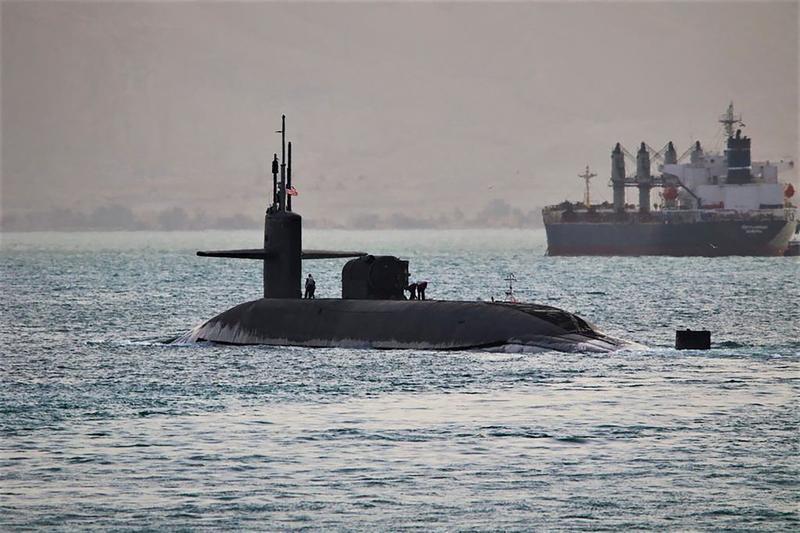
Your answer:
<point x="373" y="311"/>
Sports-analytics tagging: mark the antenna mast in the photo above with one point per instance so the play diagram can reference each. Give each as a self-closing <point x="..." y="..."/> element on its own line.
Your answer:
<point x="510" y="278"/>
<point x="729" y="121"/>
<point x="586" y="176"/>
<point x="282" y="188"/>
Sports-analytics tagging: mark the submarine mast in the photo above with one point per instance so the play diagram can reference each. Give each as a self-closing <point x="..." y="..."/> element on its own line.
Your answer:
<point x="282" y="196"/>
<point x="282" y="239"/>
<point x="282" y="252"/>
<point x="289" y="180"/>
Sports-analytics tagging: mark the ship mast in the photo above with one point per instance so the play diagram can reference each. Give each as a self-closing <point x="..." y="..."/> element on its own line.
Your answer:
<point x="729" y="121"/>
<point x="586" y="176"/>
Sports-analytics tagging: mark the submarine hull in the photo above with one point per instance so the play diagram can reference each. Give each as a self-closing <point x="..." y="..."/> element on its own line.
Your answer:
<point x="401" y="324"/>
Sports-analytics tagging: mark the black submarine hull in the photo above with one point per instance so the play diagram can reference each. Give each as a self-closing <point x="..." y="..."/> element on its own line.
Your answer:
<point x="401" y="324"/>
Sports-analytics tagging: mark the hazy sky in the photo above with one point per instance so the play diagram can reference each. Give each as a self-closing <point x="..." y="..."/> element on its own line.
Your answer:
<point x="392" y="107"/>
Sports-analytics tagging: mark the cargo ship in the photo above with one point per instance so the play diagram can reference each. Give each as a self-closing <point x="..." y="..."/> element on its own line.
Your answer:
<point x="710" y="204"/>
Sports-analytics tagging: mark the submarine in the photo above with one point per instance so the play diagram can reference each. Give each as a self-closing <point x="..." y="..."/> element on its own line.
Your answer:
<point x="373" y="311"/>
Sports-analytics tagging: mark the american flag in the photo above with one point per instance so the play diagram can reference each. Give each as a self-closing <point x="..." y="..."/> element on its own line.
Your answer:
<point x="291" y="191"/>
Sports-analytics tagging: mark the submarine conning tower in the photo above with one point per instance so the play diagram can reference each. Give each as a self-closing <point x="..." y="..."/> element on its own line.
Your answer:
<point x="283" y="266"/>
<point x="283" y="234"/>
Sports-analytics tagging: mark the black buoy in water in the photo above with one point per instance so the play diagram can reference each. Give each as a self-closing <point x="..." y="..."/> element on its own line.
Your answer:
<point x="688" y="339"/>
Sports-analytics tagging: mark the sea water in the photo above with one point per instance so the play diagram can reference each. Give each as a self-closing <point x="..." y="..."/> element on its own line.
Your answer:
<point x="103" y="425"/>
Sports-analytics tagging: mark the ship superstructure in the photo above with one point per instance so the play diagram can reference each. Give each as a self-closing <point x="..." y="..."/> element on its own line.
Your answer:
<point x="709" y="204"/>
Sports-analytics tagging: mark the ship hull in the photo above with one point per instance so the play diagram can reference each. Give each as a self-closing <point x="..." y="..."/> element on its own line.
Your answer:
<point x="401" y="324"/>
<point x="713" y="238"/>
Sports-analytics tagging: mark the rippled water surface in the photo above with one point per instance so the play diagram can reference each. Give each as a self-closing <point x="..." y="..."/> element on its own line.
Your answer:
<point x="104" y="426"/>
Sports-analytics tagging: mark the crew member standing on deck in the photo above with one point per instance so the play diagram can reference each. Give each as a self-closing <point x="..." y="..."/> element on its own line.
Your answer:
<point x="421" y="286"/>
<point x="311" y="286"/>
<point x="412" y="290"/>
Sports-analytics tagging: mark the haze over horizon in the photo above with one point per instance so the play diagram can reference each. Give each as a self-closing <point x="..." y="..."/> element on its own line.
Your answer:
<point x="398" y="112"/>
